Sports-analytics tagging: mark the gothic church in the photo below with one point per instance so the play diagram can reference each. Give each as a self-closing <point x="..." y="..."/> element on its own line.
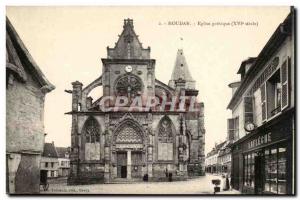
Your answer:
<point x="129" y="145"/>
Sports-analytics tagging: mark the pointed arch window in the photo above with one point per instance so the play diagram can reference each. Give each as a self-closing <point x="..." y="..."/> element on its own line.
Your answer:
<point x="165" y="145"/>
<point x="92" y="131"/>
<point x="165" y="130"/>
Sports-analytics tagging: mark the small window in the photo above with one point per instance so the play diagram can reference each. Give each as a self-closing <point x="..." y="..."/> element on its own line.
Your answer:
<point x="274" y="94"/>
<point x="52" y="164"/>
<point x="46" y="164"/>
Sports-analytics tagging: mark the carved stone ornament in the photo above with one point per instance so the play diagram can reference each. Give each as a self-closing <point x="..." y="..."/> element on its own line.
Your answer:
<point x="128" y="85"/>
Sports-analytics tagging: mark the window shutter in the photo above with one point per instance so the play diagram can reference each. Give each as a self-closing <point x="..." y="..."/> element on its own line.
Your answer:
<point x="263" y="102"/>
<point x="230" y="129"/>
<point x="285" y="83"/>
<point x="248" y="109"/>
<point x="236" y="128"/>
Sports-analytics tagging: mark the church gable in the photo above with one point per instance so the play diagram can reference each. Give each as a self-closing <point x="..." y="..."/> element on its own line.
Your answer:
<point x="128" y="45"/>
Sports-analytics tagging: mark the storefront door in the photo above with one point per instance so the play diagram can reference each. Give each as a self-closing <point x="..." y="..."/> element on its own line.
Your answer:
<point x="258" y="178"/>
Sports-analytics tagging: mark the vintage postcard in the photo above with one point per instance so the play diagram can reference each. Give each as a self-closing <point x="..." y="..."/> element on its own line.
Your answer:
<point x="150" y="100"/>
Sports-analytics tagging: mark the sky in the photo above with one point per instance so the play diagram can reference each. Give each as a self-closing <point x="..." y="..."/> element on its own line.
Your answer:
<point x="68" y="43"/>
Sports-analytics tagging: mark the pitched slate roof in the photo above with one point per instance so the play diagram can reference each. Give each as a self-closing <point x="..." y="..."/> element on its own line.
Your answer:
<point x="50" y="150"/>
<point x="216" y="149"/>
<point x="284" y="30"/>
<point x="19" y="60"/>
<point x="181" y="71"/>
<point x="62" y="151"/>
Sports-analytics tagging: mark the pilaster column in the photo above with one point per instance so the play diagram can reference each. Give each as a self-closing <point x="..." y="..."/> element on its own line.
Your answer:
<point x="129" y="164"/>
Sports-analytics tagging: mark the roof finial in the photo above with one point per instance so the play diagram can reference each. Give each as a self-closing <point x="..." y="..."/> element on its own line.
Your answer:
<point x="128" y="22"/>
<point x="181" y="43"/>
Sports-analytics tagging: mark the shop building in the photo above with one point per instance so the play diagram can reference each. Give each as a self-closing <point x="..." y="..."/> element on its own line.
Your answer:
<point x="224" y="159"/>
<point x="212" y="164"/>
<point x="263" y="117"/>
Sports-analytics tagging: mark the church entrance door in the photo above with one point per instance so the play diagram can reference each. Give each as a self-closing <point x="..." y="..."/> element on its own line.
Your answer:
<point x="137" y="164"/>
<point x="123" y="171"/>
<point x="121" y="164"/>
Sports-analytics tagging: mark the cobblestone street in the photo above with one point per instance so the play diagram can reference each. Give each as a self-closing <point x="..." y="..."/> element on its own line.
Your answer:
<point x="201" y="185"/>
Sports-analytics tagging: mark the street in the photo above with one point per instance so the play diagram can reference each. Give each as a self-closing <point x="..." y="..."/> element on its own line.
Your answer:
<point x="199" y="185"/>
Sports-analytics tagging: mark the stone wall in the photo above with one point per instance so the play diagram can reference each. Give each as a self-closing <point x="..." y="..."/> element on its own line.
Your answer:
<point x="24" y="116"/>
<point x="28" y="175"/>
<point x="24" y="134"/>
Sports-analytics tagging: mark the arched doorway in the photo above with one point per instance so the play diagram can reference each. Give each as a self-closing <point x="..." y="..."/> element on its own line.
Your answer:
<point x="129" y="150"/>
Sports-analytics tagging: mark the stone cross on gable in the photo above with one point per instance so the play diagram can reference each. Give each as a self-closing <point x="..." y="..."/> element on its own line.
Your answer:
<point x="128" y="38"/>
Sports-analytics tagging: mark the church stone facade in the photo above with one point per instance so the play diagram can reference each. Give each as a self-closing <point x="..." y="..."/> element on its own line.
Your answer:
<point x="111" y="145"/>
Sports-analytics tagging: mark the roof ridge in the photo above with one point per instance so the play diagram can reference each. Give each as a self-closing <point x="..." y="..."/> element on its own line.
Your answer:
<point x="15" y="38"/>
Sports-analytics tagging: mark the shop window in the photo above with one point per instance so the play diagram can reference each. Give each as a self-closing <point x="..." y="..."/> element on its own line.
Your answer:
<point x="281" y="171"/>
<point x="275" y="170"/>
<point x="249" y="170"/>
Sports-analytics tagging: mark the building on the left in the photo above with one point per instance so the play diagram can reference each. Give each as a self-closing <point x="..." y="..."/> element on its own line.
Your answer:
<point x="49" y="160"/>
<point x="26" y="88"/>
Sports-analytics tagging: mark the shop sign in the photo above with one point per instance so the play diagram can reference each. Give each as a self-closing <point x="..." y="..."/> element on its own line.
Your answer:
<point x="260" y="140"/>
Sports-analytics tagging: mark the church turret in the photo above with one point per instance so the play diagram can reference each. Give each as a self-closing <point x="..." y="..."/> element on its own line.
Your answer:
<point x="181" y="77"/>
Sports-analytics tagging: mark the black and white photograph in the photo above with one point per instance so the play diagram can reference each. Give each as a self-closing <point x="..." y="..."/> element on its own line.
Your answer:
<point x="150" y="100"/>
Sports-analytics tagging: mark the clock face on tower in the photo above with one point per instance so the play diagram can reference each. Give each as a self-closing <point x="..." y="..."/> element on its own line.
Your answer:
<point x="128" y="68"/>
